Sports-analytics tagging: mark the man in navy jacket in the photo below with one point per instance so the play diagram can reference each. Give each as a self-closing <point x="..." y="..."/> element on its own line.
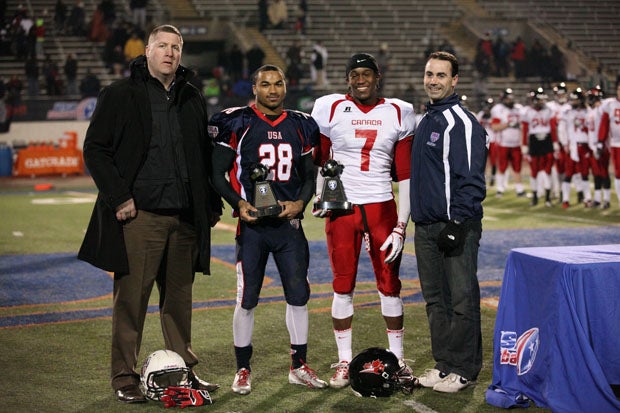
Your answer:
<point x="447" y="189"/>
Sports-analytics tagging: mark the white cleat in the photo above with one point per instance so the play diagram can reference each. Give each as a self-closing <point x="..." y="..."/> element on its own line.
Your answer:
<point x="243" y="382"/>
<point x="305" y="376"/>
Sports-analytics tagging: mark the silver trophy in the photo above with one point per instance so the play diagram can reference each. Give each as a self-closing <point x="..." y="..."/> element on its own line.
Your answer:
<point x="333" y="196"/>
<point x="264" y="199"/>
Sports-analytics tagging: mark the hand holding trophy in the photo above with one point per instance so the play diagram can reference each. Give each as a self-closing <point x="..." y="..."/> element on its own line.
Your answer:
<point x="264" y="199"/>
<point x="332" y="196"/>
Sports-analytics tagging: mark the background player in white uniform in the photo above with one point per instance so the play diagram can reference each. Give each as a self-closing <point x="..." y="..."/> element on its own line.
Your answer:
<point x="573" y="135"/>
<point x="600" y="151"/>
<point x="371" y="137"/>
<point x="506" y="122"/>
<point x="559" y="104"/>
<point x="539" y="128"/>
<point x="609" y="131"/>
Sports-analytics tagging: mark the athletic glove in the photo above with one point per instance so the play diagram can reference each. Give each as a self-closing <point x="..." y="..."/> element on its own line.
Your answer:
<point x="319" y="212"/>
<point x="395" y="240"/>
<point x="598" y="151"/>
<point x="185" y="397"/>
<point x="451" y="237"/>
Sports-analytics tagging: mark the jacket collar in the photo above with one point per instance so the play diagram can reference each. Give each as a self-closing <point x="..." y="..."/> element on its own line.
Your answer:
<point x="441" y="105"/>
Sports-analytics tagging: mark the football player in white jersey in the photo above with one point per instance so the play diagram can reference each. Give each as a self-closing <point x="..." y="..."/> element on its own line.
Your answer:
<point x="506" y="122"/>
<point x="559" y="105"/>
<point x="573" y="135"/>
<point x="371" y="137"/>
<point x="600" y="151"/>
<point x="609" y="131"/>
<point x="539" y="129"/>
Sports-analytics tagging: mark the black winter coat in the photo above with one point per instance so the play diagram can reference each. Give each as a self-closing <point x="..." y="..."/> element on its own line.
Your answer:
<point x="115" y="148"/>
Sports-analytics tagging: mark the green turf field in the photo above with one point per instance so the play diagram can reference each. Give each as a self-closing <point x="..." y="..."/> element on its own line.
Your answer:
<point x="64" y="366"/>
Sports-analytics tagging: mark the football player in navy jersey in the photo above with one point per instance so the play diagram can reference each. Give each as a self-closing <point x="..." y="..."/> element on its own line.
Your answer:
<point x="282" y="140"/>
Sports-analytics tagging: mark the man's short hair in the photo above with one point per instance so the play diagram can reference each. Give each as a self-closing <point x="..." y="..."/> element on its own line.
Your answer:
<point x="166" y="28"/>
<point x="449" y="57"/>
<point x="267" y="68"/>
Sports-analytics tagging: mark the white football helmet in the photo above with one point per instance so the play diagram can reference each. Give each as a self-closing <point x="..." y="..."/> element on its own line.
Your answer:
<point x="161" y="369"/>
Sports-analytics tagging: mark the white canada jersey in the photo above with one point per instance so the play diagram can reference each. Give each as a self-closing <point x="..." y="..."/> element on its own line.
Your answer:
<point x="363" y="140"/>
<point x="610" y="122"/>
<point x="573" y="126"/>
<point x="511" y="136"/>
<point x="538" y="121"/>
<point x="558" y="108"/>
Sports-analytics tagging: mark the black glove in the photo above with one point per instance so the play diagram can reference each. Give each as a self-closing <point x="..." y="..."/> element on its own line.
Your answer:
<point x="185" y="397"/>
<point x="451" y="238"/>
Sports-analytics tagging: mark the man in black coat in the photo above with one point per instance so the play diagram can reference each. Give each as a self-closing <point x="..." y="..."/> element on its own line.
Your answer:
<point x="148" y="151"/>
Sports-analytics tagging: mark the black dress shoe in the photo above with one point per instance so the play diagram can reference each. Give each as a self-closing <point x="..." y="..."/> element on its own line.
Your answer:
<point x="130" y="394"/>
<point x="199" y="384"/>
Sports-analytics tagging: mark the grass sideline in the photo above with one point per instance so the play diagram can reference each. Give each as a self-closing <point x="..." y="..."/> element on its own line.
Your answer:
<point x="65" y="367"/>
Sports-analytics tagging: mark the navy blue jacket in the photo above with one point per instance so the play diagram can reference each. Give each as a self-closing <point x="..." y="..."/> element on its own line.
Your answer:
<point x="448" y="158"/>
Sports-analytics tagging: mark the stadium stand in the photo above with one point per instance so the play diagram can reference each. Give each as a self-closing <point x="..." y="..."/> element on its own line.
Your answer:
<point x="588" y="36"/>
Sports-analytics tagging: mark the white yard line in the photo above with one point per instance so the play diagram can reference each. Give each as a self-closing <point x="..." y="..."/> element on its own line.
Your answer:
<point x="419" y="407"/>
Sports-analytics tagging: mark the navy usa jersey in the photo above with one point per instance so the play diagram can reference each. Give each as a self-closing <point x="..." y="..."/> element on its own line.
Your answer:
<point x="278" y="144"/>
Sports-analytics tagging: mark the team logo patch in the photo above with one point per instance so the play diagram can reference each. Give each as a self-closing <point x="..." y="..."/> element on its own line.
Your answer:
<point x="434" y="137"/>
<point x="374" y="367"/>
<point x="519" y="352"/>
<point x="213" y="131"/>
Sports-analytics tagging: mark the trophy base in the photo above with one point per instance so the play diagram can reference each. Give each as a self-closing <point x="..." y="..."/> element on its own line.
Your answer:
<point x="334" y="205"/>
<point x="267" y="211"/>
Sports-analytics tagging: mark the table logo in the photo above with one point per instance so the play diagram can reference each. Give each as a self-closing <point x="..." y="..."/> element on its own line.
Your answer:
<point x="519" y="352"/>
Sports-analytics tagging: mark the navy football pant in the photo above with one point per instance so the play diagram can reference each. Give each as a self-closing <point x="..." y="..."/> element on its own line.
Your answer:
<point x="286" y="241"/>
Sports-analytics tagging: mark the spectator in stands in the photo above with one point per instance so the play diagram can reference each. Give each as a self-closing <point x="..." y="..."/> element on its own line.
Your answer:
<point x="31" y="69"/>
<point x="482" y="60"/>
<point x="538" y="58"/>
<point x="108" y="8"/>
<point x="318" y="64"/>
<point x="263" y="17"/>
<point x="235" y="61"/>
<point x="134" y="47"/>
<point x="599" y="79"/>
<point x="98" y="29"/>
<point x="301" y="14"/>
<point x="138" y="11"/>
<point x="117" y="62"/>
<point x="295" y="53"/>
<point x="90" y="85"/>
<point x="60" y="17"/>
<point x="39" y="34"/>
<point x="501" y="55"/>
<point x="76" y="23"/>
<point x="278" y="14"/>
<point x="254" y="56"/>
<point x="71" y="68"/>
<point x="517" y="56"/>
<point x="5" y="42"/>
<point x="14" y="89"/>
<point x="243" y="88"/>
<point x="50" y="72"/>
<point x="557" y="66"/>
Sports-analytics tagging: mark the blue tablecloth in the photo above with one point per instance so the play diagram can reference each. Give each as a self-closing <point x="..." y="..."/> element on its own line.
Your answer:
<point x="557" y="332"/>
